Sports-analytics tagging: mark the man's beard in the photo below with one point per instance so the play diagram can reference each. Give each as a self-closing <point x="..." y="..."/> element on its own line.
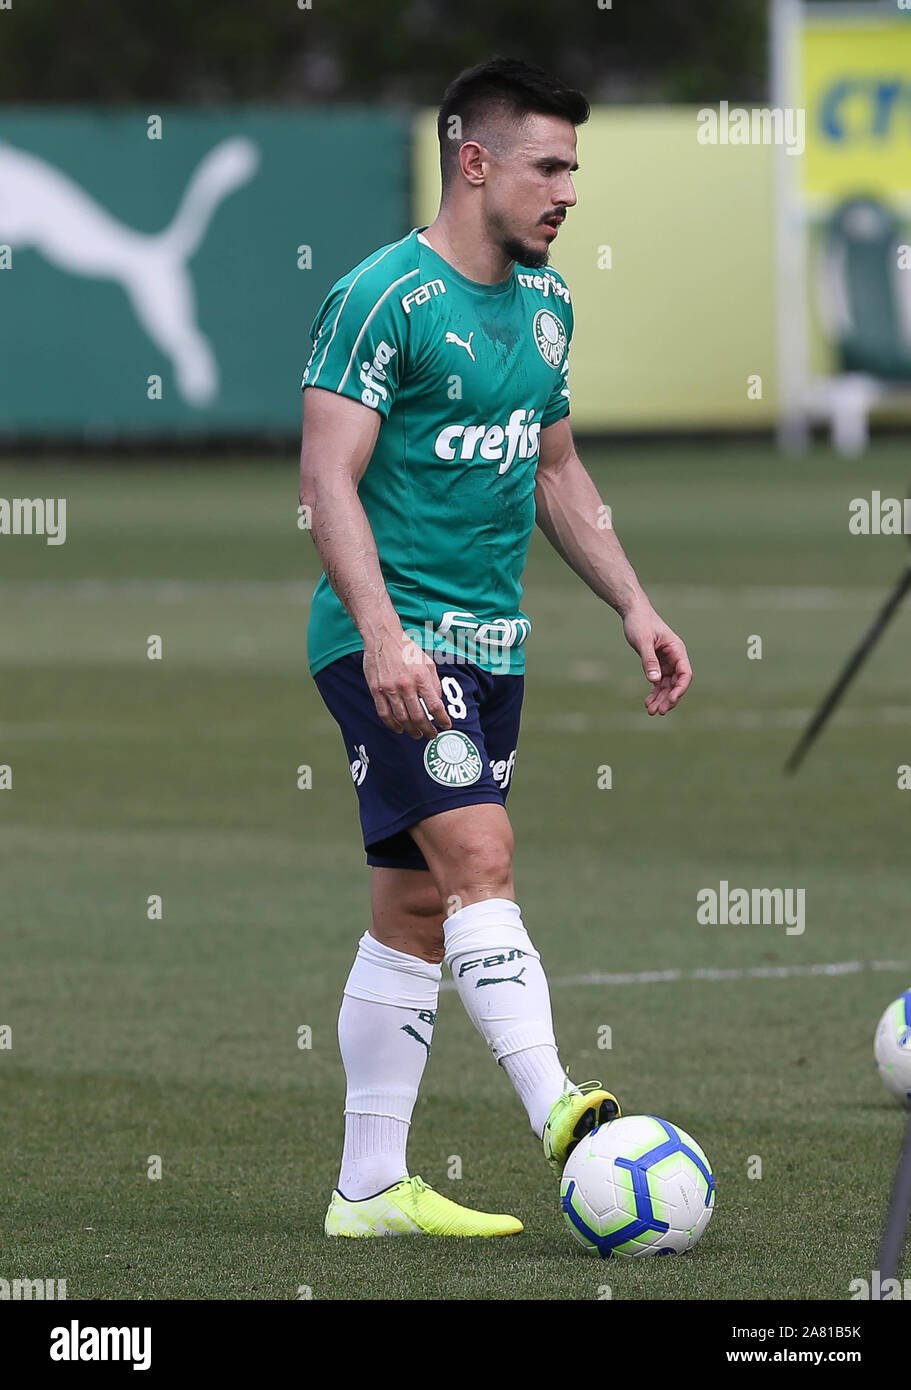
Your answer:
<point x="517" y="250"/>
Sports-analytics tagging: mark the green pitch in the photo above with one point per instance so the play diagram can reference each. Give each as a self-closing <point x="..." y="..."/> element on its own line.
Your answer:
<point x="135" y="1038"/>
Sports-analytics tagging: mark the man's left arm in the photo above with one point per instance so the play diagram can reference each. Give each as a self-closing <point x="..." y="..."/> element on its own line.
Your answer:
<point x="572" y="516"/>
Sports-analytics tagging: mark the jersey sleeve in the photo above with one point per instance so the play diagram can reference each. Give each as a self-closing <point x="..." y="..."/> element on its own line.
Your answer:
<point x="558" y="401"/>
<point x="359" y="343"/>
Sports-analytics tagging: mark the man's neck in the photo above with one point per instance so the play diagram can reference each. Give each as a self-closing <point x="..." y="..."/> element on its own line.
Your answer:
<point x="472" y="256"/>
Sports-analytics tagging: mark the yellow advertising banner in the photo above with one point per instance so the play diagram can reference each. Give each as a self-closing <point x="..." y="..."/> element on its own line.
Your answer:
<point x="855" y="78"/>
<point x="668" y="256"/>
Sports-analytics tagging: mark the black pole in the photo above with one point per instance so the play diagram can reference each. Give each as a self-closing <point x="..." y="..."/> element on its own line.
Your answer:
<point x="896" y="1224"/>
<point x="855" y="661"/>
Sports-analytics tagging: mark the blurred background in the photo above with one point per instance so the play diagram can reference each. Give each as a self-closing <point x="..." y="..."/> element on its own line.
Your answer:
<point x="182" y="879"/>
<point x="179" y="190"/>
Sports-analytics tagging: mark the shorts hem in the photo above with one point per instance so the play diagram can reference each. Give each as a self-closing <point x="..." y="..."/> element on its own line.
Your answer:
<point x="391" y="861"/>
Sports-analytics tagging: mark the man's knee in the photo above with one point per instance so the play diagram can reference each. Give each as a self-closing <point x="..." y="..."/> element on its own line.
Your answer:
<point x="488" y="863"/>
<point x="469" y="851"/>
<point x="483" y="869"/>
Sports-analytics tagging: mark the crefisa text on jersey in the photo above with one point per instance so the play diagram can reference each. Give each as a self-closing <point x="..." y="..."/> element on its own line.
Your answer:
<point x="373" y="374"/>
<point x="547" y="284"/>
<point x="521" y="435"/>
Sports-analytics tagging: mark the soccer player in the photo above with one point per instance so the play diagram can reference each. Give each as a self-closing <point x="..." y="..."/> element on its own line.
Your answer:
<point x="435" y="433"/>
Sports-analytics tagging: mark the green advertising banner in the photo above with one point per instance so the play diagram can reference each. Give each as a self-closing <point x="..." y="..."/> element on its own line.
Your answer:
<point x="159" y="271"/>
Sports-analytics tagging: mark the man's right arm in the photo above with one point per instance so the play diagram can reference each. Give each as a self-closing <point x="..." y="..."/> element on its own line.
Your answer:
<point x="339" y="436"/>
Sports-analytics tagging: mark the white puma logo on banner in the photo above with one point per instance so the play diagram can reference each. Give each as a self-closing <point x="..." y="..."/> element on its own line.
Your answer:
<point x="43" y="208"/>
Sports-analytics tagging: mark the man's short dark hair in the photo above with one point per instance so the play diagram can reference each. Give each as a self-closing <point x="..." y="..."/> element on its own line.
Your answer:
<point x="482" y="95"/>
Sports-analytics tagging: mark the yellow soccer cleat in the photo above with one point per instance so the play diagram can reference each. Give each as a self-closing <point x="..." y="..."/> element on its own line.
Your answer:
<point x="413" y="1208"/>
<point x="576" y="1113"/>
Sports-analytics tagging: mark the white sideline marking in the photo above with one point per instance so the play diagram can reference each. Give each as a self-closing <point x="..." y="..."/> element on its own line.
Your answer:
<point x="750" y="972"/>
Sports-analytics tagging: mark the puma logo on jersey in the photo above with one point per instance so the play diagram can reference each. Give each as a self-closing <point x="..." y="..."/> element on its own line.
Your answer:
<point x="454" y="338"/>
<point x="422" y="294"/>
<point x="518" y="438"/>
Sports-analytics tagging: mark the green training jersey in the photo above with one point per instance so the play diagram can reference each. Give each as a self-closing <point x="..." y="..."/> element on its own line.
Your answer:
<point x="465" y="376"/>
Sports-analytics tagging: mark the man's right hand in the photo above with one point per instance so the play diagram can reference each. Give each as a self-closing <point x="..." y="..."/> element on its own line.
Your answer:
<point x="400" y="675"/>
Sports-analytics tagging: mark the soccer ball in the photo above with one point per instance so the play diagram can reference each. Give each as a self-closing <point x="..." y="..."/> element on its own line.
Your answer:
<point x="892" y="1047"/>
<point x="637" y="1186"/>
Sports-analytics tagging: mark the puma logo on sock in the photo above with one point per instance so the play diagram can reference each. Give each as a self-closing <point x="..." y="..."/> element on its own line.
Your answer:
<point x="504" y="980"/>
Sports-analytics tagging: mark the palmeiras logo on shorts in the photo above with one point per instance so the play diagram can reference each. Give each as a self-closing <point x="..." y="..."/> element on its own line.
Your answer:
<point x="550" y="337"/>
<point x="452" y="760"/>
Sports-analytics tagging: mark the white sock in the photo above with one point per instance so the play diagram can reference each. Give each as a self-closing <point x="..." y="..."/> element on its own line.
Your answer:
<point x="374" y="1155"/>
<point x="539" y="1079"/>
<point x="503" y="987"/>
<point x="385" y="1028"/>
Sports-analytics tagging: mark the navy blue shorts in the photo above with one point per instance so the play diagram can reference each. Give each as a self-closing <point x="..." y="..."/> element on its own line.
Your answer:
<point x="401" y="780"/>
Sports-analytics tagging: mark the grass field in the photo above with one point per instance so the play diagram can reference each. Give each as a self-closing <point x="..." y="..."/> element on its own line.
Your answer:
<point x="178" y="1038"/>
